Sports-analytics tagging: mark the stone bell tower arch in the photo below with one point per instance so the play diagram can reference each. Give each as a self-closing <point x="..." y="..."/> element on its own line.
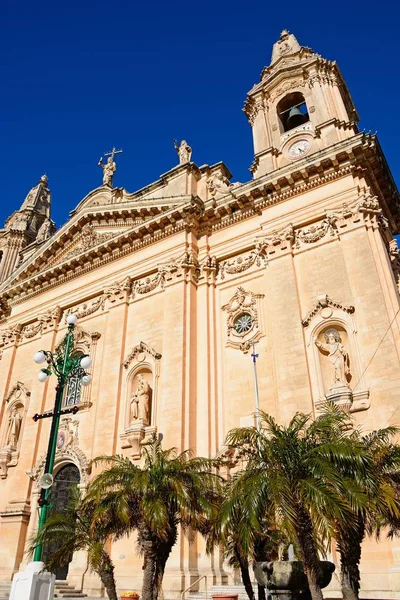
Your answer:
<point x="301" y="105"/>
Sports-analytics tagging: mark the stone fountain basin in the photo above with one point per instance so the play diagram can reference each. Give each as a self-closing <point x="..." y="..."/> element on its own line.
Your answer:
<point x="289" y="574"/>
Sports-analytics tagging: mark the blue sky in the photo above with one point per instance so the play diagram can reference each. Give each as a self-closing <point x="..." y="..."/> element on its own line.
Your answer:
<point x="80" y="77"/>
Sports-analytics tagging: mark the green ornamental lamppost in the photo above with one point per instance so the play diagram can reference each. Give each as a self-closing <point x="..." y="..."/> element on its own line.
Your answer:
<point x="65" y="363"/>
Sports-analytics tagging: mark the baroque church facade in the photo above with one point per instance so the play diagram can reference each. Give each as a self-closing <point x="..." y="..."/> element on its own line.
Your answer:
<point x="172" y="286"/>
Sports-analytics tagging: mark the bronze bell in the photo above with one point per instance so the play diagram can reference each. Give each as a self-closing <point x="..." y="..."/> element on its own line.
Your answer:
<point x="295" y="118"/>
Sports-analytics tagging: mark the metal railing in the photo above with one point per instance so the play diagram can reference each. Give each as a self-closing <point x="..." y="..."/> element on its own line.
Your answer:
<point x="193" y="584"/>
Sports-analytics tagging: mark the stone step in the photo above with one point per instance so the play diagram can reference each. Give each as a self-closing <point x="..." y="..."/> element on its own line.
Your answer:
<point x="5" y="589"/>
<point x="69" y="594"/>
<point x="66" y="591"/>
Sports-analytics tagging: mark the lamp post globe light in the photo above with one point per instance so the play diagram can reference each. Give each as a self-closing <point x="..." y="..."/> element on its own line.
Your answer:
<point x="64" y="363"/>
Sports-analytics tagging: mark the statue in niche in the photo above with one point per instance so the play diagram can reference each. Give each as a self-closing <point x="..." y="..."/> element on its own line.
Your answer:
<point x="140" y="401"/>
<point x="184" y="151"/>
<point x="337" y="356"/>
<point x="13" y="428"/>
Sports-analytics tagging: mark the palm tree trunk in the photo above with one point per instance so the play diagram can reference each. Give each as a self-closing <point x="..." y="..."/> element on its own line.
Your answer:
<point x="149" y="570"/>
<point x="349" y="540"/>
<point x="155" y="554"/>
<point x="107" y="579"/>
<point x="106" y="574"/>
<point x="245" y="573"/>
<point x="309" y="554"/>
<point x="163" y="552"/>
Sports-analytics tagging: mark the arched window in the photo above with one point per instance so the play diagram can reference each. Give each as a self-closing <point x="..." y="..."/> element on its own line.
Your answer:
<point x="292" y="111"/>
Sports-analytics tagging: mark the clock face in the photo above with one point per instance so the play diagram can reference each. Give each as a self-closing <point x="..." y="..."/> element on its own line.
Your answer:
<point x="299" y="148"/>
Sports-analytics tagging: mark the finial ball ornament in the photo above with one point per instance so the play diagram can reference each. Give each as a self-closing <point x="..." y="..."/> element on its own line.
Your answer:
<point x="39" y="357"/>
<point x="72" y="319"/>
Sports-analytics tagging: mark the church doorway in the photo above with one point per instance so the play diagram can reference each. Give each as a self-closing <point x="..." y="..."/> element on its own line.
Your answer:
<point x="65" y="480"/>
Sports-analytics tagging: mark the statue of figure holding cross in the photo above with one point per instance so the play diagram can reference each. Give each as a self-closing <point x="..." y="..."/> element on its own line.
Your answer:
<point x="109" y="167"/>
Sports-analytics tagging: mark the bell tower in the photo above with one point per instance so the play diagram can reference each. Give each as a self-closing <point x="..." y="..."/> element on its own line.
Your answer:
<point x="300" y="106"/>
<point x="26" y="228"/>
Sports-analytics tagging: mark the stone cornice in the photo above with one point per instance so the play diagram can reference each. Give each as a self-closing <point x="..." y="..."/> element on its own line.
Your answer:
<point x="149" y="231"/>
<point x="291" y="238"/>
<point x="360" y="155"/>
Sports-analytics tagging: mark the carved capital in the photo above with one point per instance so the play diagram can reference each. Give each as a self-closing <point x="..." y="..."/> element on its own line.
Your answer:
<point x="10" y="336"/>
<point x="186" y="267"/>
<point x="208" y="268"/>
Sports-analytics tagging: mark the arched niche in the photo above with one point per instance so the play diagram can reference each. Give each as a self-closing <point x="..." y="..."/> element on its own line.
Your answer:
<point x="140" y="393"/>
<point x="331" y="364"/>
<point x="335" y="364"/>
<point x="139" y="406"/>
<point x="14" y="415"/>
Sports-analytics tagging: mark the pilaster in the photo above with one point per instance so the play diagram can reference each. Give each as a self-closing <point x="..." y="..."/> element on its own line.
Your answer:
<point x="109" y="396"/>
<point x="290" y="369"/>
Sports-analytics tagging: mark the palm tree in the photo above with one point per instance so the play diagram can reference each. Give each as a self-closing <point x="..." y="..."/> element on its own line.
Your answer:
<point x="244" y="536"/>
<point x="72" y="530"/>
<point x="170" y="490"/>
<point x="382" y="487"/>
<point x="296" y="472"/>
